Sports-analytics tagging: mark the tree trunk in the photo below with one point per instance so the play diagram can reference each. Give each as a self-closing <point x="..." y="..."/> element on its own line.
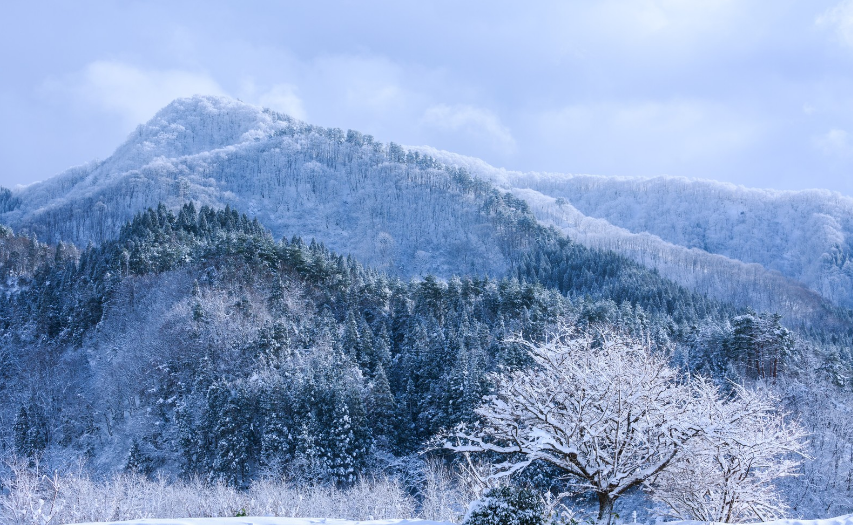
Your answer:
<point x="605" y="508"/>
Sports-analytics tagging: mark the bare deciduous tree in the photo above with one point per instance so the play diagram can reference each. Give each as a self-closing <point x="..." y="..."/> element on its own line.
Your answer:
<point x="613" y="415"/>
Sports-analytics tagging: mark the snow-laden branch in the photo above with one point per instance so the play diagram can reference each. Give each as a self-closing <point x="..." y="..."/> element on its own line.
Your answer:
<point x="614" y="415"/>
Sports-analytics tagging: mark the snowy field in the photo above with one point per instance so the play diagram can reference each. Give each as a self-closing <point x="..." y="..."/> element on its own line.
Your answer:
<point x="841" y="520"/>
<point x="281" y="521"/>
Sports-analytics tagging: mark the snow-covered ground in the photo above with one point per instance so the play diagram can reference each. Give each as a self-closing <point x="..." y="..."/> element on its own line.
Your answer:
<point x="251" y="520"/>
<point x="840" y="520"/>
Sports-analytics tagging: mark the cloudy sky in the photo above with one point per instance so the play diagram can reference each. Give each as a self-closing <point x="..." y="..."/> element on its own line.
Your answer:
<point x="755" y="93"/>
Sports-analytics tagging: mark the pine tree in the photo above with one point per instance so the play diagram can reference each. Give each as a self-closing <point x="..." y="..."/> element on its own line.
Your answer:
<point x="350" y="339"/>
<point x="382" y="407"/>
<point x="365" y="351"/>
<point x="278" y="439"/>
<point x="340" y="448"/>
<point x="309" y="463"/>
<point x="232" y="434"/>
<point x="21" y="429"/>
<point x="188" y="440"/>
<point x="507" y="506"/>
<point x="138" y="462"/>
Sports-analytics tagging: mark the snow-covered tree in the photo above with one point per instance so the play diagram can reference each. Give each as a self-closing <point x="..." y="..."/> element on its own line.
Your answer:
<point x="727" y="474"/>
<point x="608" y="411"/>
<point x="612" y="415"/>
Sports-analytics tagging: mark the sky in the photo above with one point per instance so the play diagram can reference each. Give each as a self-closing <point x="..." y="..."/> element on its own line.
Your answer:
<point x="753" y="93"/>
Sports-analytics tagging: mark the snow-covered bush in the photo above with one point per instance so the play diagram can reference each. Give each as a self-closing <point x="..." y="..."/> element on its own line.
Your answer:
<point x="444" y="494"/>
<point x="35" y="497"/>
<point x="507" y="505"/>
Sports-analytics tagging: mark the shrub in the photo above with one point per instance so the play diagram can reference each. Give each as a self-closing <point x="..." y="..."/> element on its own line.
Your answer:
<point x="507" y="506"/>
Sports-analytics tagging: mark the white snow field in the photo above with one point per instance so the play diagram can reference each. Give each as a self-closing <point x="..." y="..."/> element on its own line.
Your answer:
<point x="840" y="520"/>
<point x="252" y="520"/>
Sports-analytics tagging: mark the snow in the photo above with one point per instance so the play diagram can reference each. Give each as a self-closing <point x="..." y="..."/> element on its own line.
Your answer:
<point x="840" y="520"/>
<point x="262" y="520"/>
<point x="766" y="248"/>
<point x="295" y="179"/>
<point x="755" y="247"/>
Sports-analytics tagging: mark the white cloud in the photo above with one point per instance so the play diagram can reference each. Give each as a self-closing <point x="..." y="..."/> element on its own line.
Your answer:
<point x="835" y="142"/>
<point x="654" y="16"/>
<point x="283" y="98"/>
<point x="477" y="122"/>
<point x="645" y="29"/>
<point x="839" y="19"/>
<point x="660" y="134"/>
<point x="133" y="93"/>
<point x="372" y="84"/>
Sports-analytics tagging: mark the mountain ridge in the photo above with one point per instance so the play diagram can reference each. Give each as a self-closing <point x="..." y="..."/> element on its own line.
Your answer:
<point x="405" y="209"/>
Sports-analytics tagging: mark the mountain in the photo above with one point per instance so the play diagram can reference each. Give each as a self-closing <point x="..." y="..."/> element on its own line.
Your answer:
<point x="771" y="250"/>
<point x="195" y="345"/>
<point x="399" y="212"/>
<point x="417" y="211"/>
<point x="804" y="235"/>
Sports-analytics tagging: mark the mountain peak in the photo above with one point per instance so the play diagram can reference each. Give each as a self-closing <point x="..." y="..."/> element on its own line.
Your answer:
<point x="188" y="126"/>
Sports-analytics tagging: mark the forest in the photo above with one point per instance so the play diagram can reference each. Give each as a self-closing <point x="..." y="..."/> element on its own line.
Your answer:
<point x="194" y="344"/>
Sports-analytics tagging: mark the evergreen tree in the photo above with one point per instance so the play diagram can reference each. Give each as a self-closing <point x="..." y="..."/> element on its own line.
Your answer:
<point x="21" y="429"/>
<point x="30" y="430"/>
<point x="382" y="407"/>
<point x="233" y="441"/>
<point x="138" y="462"/>
<point x="278" y="441"/>
<point x="507" y="505"/>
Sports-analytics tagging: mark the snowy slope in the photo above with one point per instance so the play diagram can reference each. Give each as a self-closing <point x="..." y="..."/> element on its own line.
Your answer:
<point x="715" y="275"/>
<point x="805" y="235"/>
<point x="770" y="249"/>
<point x="349" y="192"/>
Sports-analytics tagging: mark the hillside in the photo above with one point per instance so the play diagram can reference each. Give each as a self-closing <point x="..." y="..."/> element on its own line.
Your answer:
<point x="420" y="211"/>
<point x="786" y="255"/>
<point x="202" y="347"/>
<point x="399" y="212"/>
<point x="804" y="235"/>
<point x="235" y="295"/>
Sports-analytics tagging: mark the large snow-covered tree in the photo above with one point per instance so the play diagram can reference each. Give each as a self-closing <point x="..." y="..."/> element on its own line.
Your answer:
<point x="612" y="415"/>
<point x="607" y="410"/>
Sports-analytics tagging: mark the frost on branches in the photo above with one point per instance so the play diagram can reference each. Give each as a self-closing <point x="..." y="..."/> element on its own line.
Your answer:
<point x="614" y="415"/>
<point x="727" y="474"/>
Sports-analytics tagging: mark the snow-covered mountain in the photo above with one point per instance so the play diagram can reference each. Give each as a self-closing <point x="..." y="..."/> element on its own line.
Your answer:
<point x="766" y="248"/>
<point x="406" y="215"/>
<point x="202" y="346"/>
<point x="400" y="210"/>
<point x="805" y="235"/>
